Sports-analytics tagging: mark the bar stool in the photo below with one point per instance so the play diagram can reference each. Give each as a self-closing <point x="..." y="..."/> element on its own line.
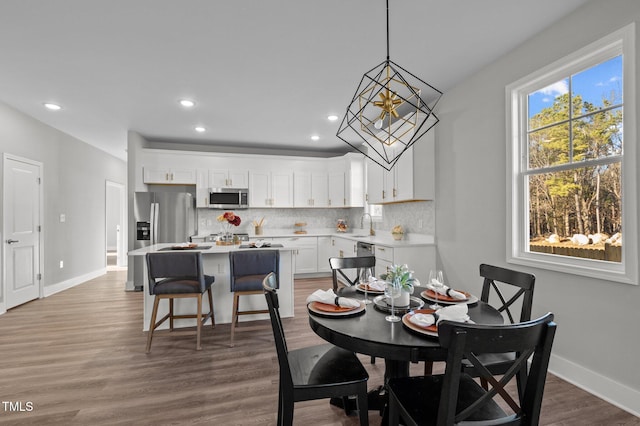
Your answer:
<point x="178" y="275"/>
<point x="247" y="270"/>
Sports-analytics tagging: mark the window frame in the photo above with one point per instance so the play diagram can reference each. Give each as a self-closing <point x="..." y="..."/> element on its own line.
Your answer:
<point x="619" y="42"/>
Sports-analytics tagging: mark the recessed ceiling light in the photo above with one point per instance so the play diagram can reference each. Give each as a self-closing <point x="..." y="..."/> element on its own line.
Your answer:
<point x="315" y="137"/>
<point x="332" y="117"/>
<point x="200" y="129"/>
<point x="52" y="107"/>
<point x="187" y="103"/>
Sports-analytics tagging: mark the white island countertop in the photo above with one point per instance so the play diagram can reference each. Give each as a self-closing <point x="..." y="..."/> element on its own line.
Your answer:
<point x="205" y="248"/>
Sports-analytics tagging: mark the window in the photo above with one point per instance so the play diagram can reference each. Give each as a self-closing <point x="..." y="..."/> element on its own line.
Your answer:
<point x="571" y="142"/>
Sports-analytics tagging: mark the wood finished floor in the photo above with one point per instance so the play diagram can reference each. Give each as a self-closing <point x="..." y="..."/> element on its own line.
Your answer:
<point x="79" y="357"/>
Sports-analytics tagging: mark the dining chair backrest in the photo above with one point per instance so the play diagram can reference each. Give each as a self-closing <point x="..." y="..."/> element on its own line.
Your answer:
<point x="466" y="341"/>
<point x="270" y="285"/>
<point x="503" y="281"/>
<point x="178" y="265"/>
<point x="340" y="264"/>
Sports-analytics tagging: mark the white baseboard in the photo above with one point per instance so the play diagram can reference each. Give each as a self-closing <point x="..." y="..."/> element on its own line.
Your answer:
<point x="615" y="393"/>
<point x="64" y="285"/>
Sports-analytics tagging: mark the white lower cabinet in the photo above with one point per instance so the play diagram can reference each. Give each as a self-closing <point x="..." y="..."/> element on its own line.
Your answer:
<point x="384" y="258"/>
<point x="419" y="259"/>
<point x="305" y="253"/>
<point x="343" y="247"/>
<point x="324" y="253"/>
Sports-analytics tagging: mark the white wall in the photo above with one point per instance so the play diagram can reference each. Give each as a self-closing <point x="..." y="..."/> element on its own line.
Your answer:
<point x="74" y="184"/>
<point x="597" y="343"/>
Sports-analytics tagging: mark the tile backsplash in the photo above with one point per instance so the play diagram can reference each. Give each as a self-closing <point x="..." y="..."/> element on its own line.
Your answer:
<point x="409" y="215"/>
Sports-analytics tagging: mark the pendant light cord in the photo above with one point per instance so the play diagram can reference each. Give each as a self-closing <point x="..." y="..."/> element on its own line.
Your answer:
<point x="387" y="30"/>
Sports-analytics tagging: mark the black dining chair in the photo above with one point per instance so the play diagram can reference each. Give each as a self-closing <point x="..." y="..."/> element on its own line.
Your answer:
<point x="247" y="270"/>
<point x="504" y="289"/>
<point x="178" y="275"/>
<point x="316" y="372"/>
<point x="341" y="265"/>
<point x="456" y="398"/>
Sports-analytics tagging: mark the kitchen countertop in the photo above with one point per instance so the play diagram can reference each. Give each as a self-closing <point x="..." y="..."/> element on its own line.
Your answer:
<point x="213" y="249"/>
<point x="381" y="237"/>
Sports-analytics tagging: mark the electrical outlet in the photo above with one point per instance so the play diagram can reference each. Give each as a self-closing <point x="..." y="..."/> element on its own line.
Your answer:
<point x="61" y="264"/>
<point x="63" y="219"/>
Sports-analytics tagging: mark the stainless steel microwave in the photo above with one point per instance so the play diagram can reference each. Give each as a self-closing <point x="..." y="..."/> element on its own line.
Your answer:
<point x="229" y="198"/>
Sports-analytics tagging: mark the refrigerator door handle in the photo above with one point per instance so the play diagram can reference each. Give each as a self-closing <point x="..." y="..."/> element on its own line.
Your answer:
<point x="154" y="223"/>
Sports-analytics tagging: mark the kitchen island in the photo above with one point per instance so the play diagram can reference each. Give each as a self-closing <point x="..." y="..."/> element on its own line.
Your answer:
<point x="216" y="263"/>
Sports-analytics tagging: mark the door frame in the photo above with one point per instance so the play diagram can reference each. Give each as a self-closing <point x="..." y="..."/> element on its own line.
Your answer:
<point x="41" y="234"/>
<point x="122" y="215"/>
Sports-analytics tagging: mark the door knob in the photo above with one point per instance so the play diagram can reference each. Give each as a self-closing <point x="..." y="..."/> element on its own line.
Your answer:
<point x="12" y="241"/>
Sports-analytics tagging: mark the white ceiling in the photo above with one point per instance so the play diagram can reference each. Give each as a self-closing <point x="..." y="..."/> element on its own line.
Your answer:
<point x="264" y="73"/>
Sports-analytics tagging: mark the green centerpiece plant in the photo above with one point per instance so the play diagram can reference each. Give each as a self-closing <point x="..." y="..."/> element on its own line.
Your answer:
<point x="401" y="277"/>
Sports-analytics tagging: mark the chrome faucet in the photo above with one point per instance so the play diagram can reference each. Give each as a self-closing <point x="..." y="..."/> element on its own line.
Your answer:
<point x="371" y="231"/>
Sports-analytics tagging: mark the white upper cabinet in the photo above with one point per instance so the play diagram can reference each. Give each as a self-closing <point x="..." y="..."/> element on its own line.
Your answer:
<point x="411" y="179"/>
<point x="273" y="181"/>
<point x="202" y="188"/>
<point x="270" y="189"/>
<point x="233" y="178"/>
<point x="310" y="189"/>
<point x="337" y="197"/>
<point x="169" y="176"/>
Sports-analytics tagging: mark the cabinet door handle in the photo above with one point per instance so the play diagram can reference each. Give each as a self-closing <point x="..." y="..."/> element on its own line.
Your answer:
<point x="379" y="248"/>
<point x="10" y="241"/>
<point x="395" y="193"/>
<point x="341" y="253"/>
<point x="383" y="195"/>
<point x="171" y="176"/>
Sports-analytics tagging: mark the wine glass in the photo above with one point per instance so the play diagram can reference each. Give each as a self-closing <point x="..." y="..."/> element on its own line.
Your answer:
<point x="365" y="274"/>
<point x="392" y="291"/>
<point x="436" y="282"/>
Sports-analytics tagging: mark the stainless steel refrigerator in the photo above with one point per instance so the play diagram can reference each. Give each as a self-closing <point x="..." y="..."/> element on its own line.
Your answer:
<point x="161" y="217"/>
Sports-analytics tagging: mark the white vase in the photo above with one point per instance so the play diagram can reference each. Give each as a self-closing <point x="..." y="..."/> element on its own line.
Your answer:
<point x="403" y="299"/>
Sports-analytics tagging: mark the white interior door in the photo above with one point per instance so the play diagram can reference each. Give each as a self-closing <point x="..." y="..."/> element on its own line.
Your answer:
<point x="21" y="203"/>
<point x="115" y="215"/>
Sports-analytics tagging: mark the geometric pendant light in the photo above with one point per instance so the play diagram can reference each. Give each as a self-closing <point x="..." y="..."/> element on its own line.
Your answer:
<point x="390" y="111"/>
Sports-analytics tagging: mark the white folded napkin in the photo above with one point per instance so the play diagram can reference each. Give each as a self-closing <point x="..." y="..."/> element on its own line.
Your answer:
<point x="447" y="291"/>
<point x="376" y="284"/>
<point x="451" y="313"/>
<point x="330" y="298"/>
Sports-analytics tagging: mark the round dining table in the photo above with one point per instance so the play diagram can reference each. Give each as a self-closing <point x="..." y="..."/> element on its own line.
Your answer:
<point x="369" y="333"/>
